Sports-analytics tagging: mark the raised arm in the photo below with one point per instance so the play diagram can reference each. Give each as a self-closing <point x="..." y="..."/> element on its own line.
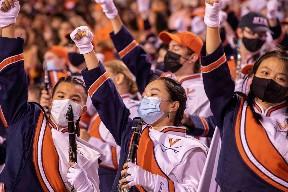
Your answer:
<point x="218" y="83"/>
<point x="127" y="47"/>
<point x="101" y="89"/>
<point x="13" y="80"/>
<point x="199" y="126"/>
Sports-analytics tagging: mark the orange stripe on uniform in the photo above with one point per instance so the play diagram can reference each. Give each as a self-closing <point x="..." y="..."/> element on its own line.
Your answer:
<point x="276" y="108"/>
<point x="51" y="162"/>
<point x="114" y="157"/>
<point x="2" y="118"/>
<point x="94" y="128"/>
<point x="95" y="86"/>
<point x="147" y="160"/>
<point x="180" y="130"/>
<point x="211" y="67"/>
<point x="262" y="150"/>
<point x="49" y="158"/>
<point x="10" y="60"/>
<point x="35" y="152"/>
<point x="205" y="125"/>
<point x="128" y="48"/>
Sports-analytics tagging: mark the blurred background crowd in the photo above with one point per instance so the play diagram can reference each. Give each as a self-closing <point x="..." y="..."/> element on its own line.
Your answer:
<point x="45" y="24"/>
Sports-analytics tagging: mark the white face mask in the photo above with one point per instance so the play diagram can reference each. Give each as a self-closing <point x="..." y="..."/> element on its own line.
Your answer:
<point x="59" y="110"/>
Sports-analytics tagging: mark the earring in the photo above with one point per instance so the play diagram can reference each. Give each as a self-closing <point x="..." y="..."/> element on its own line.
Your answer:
<point x="169" y="114"/>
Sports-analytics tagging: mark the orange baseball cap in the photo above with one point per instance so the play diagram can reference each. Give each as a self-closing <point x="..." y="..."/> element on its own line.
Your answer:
<point x="187" y="39"/>
<point x="59" y="51"/>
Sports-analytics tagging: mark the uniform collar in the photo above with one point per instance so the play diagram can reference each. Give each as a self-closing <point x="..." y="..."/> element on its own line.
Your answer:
<point x="125" y="96"/>
<point x="180" y="131"/>
<point x="54" y="126"/>
<point x="189" y="77"/>
<point x="182" y="79"/>
<point x="272" y="110"/>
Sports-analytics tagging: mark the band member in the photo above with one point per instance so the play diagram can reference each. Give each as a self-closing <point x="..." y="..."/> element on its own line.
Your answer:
<point x="37" y="146"/>
<point x="167" y="160"/>
<point x="254" y="150"/>
<point x="181" y="60"/>
<point x="101" y="138"/>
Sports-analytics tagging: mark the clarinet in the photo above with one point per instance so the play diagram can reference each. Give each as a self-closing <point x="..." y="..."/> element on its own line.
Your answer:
<point x="137" y="124"/>
<point x="46" y="83"/>
<point x="72" y="136"/>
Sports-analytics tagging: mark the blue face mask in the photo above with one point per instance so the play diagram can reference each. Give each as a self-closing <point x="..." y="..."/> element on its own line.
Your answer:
<point x="149" y="109"/>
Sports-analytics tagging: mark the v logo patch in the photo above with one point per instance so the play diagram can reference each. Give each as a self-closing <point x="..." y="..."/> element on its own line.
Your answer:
<point x="173" y="142"/>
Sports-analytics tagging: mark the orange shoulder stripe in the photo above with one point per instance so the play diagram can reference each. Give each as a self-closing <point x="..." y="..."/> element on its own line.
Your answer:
<point x="216" y="64"/>
<point x="95" y="86"/>
<point x="10" y="60"/>
<point x="128" y="49"/>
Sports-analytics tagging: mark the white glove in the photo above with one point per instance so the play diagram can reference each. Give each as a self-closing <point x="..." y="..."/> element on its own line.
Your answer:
<point x="9" y="17"/>
<point x="212" y="14"/>
<point x="78" y="179"/>
<point x="108" y="8"/>
<point x="143" y="5"/>
<point x="83" y="43"/>
<point x="151" y="182"/>
<point x="272" y="9"/>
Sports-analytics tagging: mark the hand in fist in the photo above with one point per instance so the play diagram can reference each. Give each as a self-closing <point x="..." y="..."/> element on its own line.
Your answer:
<point x="82" y="37"/>
<point x="108" y="8"/>
<point x="9" y="10"/>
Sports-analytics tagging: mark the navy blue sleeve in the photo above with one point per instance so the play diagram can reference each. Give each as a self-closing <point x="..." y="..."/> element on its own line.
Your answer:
<point x="200" y="126"/>
<point x="133" y="55"/>
<point x="218" y="84"/>
<point x="108" y="103"/>
<point x="13" y="80"/>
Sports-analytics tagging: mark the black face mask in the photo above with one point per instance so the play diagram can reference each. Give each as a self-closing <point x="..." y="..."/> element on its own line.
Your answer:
<point x="172" y="62"/>
<point x="253" y="45"/>
<point x="268" y="90"/>
<point x="76" y="59"/>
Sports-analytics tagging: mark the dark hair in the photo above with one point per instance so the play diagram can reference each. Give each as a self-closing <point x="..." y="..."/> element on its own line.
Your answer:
<point x="69" y="79"/>
<point x="176" y="93"/>
<point x="197" y="63"/>
<point x="279" y="54"/>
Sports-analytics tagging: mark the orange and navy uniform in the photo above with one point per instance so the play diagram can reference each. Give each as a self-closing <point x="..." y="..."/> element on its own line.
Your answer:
<point x="201" y="126"/>
<point x="29" y="139"/>
<point x="248" y="160"/>
<point x="102" y="139"/>
<point x="134" y="56"/>
<point x="115" y="116"/>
